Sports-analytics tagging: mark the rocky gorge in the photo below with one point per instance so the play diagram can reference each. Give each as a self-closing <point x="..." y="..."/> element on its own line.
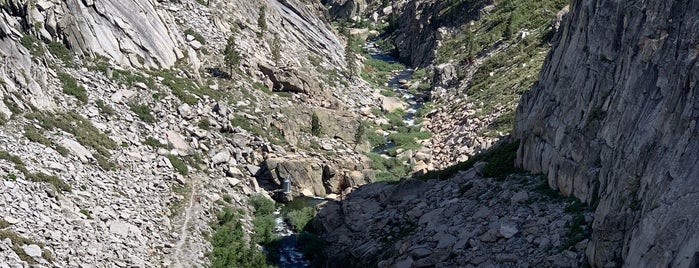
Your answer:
<point x="155" y="133"/>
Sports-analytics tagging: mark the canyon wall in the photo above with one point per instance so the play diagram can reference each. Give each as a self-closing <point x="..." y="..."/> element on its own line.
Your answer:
<point x="613" y="121"/>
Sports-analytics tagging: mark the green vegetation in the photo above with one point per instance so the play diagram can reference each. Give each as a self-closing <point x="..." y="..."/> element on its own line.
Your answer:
<point x="204" y="124"/>
<point x="230" y="248"/>
<point x="271" y="133"/>
<point x="359" y="133"/>
<point x="178" y="164"/>
<point x="185" y="89"/>
<point x="83" y="130"/>
<point x="71" y="87"/>
<point x="262" y="21"/>
<point x="377" y="72"/>
<point x="276" y="49"/>
<point x="143" y="112"/>
<point x="388" y="168"/>
<point x="34" y="135"/>
<point x="152" y="142"/>
<point x="316" y="127"/>
<point x="500" y="162"/>
<point x="18" y="241"/>
<point x="105" y="109"/>
<point x="36" y="177"/>
<point x="33" y="44"/>
<point x="196" y="35"/>
<point x="502" y="78"/>
<point x="61" y="52"/>
<point x="14" y="108"/>
<point x="130" y="78"/>
<point x="231" y="57"/>
<point x="299" y="219"/>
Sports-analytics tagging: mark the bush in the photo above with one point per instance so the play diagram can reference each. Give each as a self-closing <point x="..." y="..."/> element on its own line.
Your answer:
<point x="299" y="219"/>
<point x="262" y="205"/>
<point x="179" y="165"/>
<point x="61" y="52"/>
<point x="71" y="87"/>
<point x="143" y="112"/>
<point x="104" y="108"/>
<point x="196" y="35"/>
<point x="316" y="128"/>
<point x="229" y="246"/>
<point x="204" y="124"/>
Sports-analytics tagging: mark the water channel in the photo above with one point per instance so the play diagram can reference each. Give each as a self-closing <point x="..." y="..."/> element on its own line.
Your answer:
<point x="290" y="256"/>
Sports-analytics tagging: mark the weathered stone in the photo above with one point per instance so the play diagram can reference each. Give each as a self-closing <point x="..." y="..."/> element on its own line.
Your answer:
<point x="32" y="250"/>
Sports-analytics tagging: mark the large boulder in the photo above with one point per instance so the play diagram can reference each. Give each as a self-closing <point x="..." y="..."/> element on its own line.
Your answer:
<point x="289" y="79"/>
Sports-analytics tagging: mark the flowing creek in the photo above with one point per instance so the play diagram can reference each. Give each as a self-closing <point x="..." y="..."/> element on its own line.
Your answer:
<point x="290" y="256"/>
<point x="398" y="83"/>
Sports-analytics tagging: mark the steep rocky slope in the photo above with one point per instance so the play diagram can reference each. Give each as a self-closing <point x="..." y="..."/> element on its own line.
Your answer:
<point x="122" y="133"/>
<point x="464" y="221"/>
<point x="612" y="121"/>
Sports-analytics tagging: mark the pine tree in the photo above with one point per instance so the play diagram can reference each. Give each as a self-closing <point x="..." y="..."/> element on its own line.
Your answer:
<point x="276" y="49"/>
<point x="262" y="21"/>
<point x="231" y="55"/>
<point x="349" y="57"/>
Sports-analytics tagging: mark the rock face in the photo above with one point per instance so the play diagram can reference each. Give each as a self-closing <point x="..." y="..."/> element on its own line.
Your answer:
<point x="344" y="9"/>
<point x="417" y="34"/>
<point x="130" y="32"/>
<point x="465" y="221"/>
<point x="613" y="118"/>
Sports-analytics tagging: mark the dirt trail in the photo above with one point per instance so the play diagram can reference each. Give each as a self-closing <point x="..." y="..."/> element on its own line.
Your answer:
<point x="182" y="258"/>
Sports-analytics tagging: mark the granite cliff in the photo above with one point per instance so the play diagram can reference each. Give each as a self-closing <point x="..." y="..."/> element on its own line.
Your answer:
<point x="612" y="121"/>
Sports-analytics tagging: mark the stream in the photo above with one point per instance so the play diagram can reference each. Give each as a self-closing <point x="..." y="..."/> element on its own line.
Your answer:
<point x="398" y="83"/>
<point x="290" y="256"/>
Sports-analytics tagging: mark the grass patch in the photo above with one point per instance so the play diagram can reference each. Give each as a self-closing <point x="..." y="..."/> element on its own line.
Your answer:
<point x="299" y="219"/>
<point x="196" y="35"/>
<point x="71" y="87"/>
<point x="178" y="164"/>
<point x="33" y="44"/>
<point x="60" y="51"/>
<point x="204" y="124"/>
<point x="34" y="135"/>
<point x="17" y="242"/>
<point x="377" y="72"/>
<point x="143" y="112"/>
<point x="83" y="130"/>
<point x="153" y="142"/>
<point x="105" y="109"/>
<point x="129" y="78"/>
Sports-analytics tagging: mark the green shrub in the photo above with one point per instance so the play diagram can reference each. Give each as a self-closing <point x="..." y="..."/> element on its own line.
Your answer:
<point x="179" y="165"/>
<point x="71" y="87"/>
<point x="104" y="108"/>
<point x="316" y="128"/>
<point x="152" y="142"/>
<point x="61" y="52"/>
<point x="204" y="124"/>
<point x="143" y="112"/>
<point x="33" y="45"/>
<point x="229" y="246"/>
<point x="262" y="205"/>
<point x="299" y="219"/>
<point x="196" y="35"/>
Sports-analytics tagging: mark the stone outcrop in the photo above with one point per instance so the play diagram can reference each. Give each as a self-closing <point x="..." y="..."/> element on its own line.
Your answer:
<point x="417" y="32"/>
<point x="613" y="121"/>
<point x="464" y="221"/>
<point x="132" y="33"/>
<point x="344" y="9"/>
